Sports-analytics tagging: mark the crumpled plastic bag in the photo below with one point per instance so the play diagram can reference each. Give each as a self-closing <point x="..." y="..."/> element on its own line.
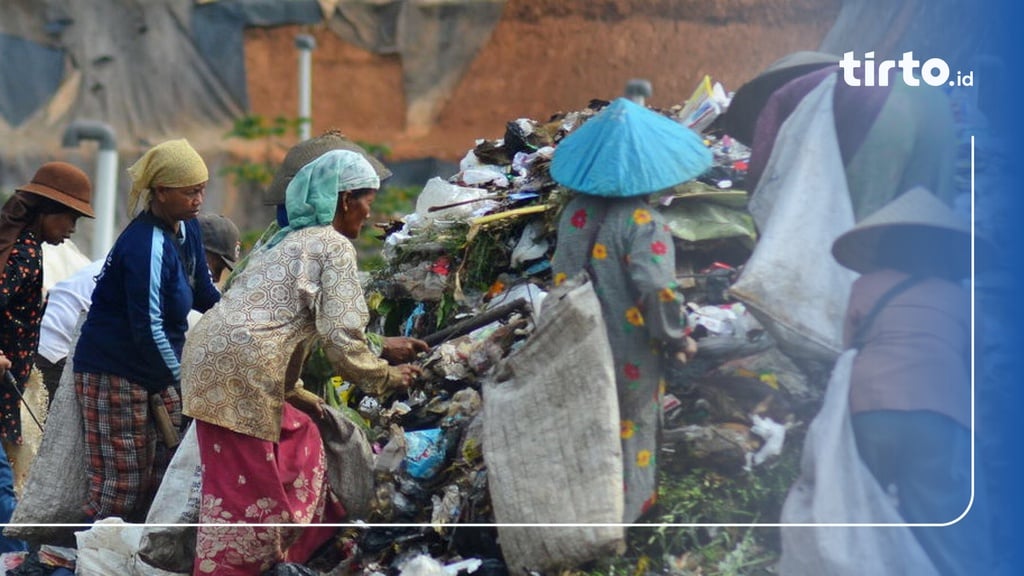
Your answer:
<point x="425" y="453"/>
<point x="349" y="462"/>
<point x="109" y="547"/>
<point x="438" y="192"/>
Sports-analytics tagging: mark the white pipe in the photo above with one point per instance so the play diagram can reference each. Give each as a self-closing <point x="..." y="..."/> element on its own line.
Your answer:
<point x="305" y="43"/>
<point x="105" y="181"/>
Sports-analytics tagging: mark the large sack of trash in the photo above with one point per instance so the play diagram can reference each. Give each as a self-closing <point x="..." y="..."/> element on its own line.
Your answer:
<point x="551" y="439"/>
<point x="791" y="283"/>
<point x="57" y="487"/>
<point x="836" y="487"/>
<point x="167" y="542"/>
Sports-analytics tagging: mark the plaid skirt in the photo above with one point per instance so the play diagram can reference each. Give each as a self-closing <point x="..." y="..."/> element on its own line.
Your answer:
<point x="125" y="456"/>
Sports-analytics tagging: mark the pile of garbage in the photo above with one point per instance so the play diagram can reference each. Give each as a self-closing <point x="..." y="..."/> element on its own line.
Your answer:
<point x="468" y="271"/>
<point x="479" y="245"/>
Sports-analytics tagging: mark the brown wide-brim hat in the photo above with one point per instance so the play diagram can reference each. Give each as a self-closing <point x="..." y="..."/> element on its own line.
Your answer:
<point x="64" y="183"/>
<point x="740" y="119"/>
<point x="916" y="211"/>
<point x="308" y="150"/>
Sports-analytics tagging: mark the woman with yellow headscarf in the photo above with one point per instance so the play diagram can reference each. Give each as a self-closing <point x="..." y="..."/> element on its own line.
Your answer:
<point x="131" y="341"/>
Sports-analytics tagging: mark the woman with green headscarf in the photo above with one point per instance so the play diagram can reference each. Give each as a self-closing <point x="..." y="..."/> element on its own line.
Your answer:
<point x="130" y="345"/>
<point x="263" y="458"/>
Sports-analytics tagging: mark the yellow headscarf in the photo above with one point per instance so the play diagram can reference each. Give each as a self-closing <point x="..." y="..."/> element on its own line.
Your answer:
<point x="173" y="163"/>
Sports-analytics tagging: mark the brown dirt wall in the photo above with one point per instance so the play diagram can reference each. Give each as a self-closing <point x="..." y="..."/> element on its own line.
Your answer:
<point x="544" y="56"/>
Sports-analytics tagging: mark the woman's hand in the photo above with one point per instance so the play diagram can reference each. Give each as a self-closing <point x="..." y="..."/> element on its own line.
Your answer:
<point x="406" y="374"/>
<point x="5" y="363"/>
<point x="400" y="349"/>
<point x="686" y="349"/>
<point x="689" y="347"/>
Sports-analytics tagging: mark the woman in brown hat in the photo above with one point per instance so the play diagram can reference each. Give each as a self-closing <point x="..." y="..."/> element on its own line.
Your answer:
<point x="44" y="210"/>
<point x="910" y="385"/>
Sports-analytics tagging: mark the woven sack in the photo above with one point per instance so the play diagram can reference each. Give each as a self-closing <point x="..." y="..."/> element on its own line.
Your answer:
<point x="551" y="438"/>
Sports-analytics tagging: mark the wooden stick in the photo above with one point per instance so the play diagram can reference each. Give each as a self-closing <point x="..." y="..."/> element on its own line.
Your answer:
<point x="163" y="421"/>
<point x="482" y="319"/>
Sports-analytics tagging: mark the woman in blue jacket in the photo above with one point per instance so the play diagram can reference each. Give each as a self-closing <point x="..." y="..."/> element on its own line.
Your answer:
<point x="131" y="341"/>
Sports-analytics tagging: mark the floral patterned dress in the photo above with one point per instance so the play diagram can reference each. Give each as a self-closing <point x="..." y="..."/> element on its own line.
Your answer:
<point x="21" y="312"/>
<point x="633" y="264"/>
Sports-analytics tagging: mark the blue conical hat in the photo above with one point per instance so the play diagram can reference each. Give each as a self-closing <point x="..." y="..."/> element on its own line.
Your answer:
<point x="627" y="150"/>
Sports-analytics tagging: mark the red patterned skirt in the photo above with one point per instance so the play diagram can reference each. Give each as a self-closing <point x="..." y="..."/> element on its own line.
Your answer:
<point x="279" y="491"/>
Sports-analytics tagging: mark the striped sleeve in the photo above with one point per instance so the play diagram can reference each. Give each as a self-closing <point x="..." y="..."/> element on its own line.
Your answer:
<point x="144" y="301"/>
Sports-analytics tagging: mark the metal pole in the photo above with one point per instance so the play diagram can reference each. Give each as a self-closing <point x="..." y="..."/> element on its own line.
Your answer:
<point x="305" y="43"/>
<point x="105" y="181"/>
<point x="639" y="90"/>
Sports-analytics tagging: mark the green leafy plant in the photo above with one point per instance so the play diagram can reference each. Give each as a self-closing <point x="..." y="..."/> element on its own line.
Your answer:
<point x="256" y="128"/>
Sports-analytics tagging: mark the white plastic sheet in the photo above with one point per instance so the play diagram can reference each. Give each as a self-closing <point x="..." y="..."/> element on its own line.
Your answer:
<point x="791" y="283"/>
<point x="836" y="487"/>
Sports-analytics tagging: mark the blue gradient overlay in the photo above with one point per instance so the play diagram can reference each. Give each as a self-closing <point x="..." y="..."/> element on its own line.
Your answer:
<point x="999" y="360"/>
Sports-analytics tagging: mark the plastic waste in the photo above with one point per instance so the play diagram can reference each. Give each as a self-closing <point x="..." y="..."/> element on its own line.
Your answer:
<point x="532" y="244"/>
<point x="437" y="192"/>
<point x="109" y="547"/>
<point x="290" y="569"/>
<point x="774" y="435"/>
<point x="425" y="453"/>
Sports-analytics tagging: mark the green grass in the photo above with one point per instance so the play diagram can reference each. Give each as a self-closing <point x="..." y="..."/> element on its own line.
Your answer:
<point x="699" y="496"/>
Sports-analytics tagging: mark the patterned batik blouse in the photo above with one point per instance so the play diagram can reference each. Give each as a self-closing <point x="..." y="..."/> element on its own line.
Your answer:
<point x="302" y="289"/>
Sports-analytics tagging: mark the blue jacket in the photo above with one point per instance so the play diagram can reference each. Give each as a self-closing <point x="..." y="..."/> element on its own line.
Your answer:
<point x="136" y="325"/>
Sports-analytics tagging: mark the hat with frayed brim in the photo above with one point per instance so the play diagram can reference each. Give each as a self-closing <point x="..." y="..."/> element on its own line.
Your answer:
<point x="221" y="236"/>
<point x="308" y="150"/>
<point x="917" y="211"/>
<point x="740" y="119"/>
<point x="64" y="183"/>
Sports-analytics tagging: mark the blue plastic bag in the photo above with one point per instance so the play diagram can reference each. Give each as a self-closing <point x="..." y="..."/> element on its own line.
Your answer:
<point x="425" y="452"/>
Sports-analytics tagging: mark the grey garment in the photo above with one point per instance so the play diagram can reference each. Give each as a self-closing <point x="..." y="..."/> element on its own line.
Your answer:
<point x="633" y="268"/>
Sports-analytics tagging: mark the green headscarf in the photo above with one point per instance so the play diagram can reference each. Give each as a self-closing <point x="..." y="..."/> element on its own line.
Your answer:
<point x="312" y="195"/>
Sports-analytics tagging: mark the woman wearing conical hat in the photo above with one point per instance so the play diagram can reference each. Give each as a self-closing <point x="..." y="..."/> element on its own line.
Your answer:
<point x="614" y="162"/>
<point x="910" y="385"/>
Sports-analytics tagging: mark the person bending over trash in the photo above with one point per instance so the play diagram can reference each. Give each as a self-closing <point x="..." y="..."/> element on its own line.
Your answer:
<point x="262" y="454"/>
<point x="910" y="385"/>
